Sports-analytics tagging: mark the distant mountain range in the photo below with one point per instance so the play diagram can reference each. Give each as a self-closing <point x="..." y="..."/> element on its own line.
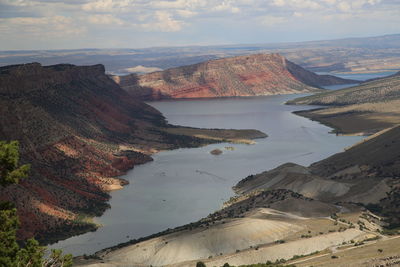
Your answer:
<point x="252" y="75"/>
<point x="379" y="53"/>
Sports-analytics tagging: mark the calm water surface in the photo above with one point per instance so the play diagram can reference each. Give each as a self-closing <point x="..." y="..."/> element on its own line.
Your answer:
<point x="356" y="76"/>
<point x="364" y="76"/>
<point x="184" y="185"/>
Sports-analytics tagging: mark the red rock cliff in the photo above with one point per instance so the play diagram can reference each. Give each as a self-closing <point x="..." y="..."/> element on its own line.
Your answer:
<point x="252" y="75"/>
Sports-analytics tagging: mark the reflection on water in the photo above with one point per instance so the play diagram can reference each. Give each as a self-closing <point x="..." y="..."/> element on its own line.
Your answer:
<point x="184" y="185"/>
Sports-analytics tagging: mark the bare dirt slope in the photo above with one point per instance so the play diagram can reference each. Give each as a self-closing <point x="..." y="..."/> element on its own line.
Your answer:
<point x="250" y="230"/>
<point x="366" y="173"/>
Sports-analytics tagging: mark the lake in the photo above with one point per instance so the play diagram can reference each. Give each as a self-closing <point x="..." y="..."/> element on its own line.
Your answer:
<point x="184" y="185"/>
<point x="356" y="76"/>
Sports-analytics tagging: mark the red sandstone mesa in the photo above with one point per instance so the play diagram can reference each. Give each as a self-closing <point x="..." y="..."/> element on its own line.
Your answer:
<point x="252" y="75"/>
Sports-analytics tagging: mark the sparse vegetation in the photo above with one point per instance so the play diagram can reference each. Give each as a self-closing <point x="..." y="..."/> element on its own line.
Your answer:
<point x="372" y="238"/>
<point x="29" y="253"/>
<point x="388" y="231"/>
<point x="359" y="243"/>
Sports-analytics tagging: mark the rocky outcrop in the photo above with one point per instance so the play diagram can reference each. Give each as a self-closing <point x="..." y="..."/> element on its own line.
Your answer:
<point x="79" y="131"/>
<point x="252" y="75"/>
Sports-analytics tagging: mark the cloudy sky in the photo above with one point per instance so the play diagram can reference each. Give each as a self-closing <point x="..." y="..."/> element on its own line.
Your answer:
<point x="55" y="24"/>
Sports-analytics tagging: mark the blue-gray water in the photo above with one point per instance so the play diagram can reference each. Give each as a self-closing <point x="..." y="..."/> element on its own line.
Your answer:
<point x="184" y="185"/>
<point x="364" y="76"/>
<point x="356" y="76"/>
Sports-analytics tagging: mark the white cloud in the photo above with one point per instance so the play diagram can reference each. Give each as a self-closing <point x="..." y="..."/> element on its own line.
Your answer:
<point x="298" y="14"/>
<point x="57" y="18"/>
<point x="176" y="4"/>
<point x="270" y="21"/>
<point x="186" y="13"/>
<point x="226" y="6"/>
<point x="108" y="5"/>
<point x="344" y="6"/>
<point x="105" y="19"/>
<point x="279" y="3"/>
<point x="355" y="5"/>
<point x="17" y="2"/>
<point x="44" y="26"/>
<point x="164" y="22"/>
<point x="298" y="4"/>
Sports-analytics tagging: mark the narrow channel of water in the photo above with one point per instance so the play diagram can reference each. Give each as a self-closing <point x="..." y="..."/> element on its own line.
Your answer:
<point x="184" y="185"/>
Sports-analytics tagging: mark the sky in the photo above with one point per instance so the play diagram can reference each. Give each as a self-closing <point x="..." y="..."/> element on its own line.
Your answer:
<point x="73" y="24"/>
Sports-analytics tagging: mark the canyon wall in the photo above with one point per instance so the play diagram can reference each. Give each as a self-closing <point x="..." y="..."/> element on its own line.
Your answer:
<point x="252" y="75"/>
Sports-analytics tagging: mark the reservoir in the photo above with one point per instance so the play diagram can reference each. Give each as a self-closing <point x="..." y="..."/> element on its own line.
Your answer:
<point x="184" y="185"/>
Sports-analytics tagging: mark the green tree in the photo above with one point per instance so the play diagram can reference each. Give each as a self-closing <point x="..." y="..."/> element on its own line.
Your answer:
<point x="200" y="264"/>
<point x="10" y="172"/>
<point x="11" y="253"/>
<point x="8" y="229"/>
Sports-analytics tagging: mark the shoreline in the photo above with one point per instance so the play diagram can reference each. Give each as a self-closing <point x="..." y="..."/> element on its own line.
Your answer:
<point x="218" y="219"/>
<point x="97" y="255"/>
<point x="134" y="241"/>
<point x="205" y="136"/>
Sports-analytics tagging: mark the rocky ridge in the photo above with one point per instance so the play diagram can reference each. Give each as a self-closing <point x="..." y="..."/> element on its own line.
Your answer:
<point x="251" y="75"/>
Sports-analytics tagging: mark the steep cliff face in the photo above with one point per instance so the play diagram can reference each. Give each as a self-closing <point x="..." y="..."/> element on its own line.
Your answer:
<point x="70" y="122"/>
<point x="79" y="131"/>
<point x="252" y="75"/>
